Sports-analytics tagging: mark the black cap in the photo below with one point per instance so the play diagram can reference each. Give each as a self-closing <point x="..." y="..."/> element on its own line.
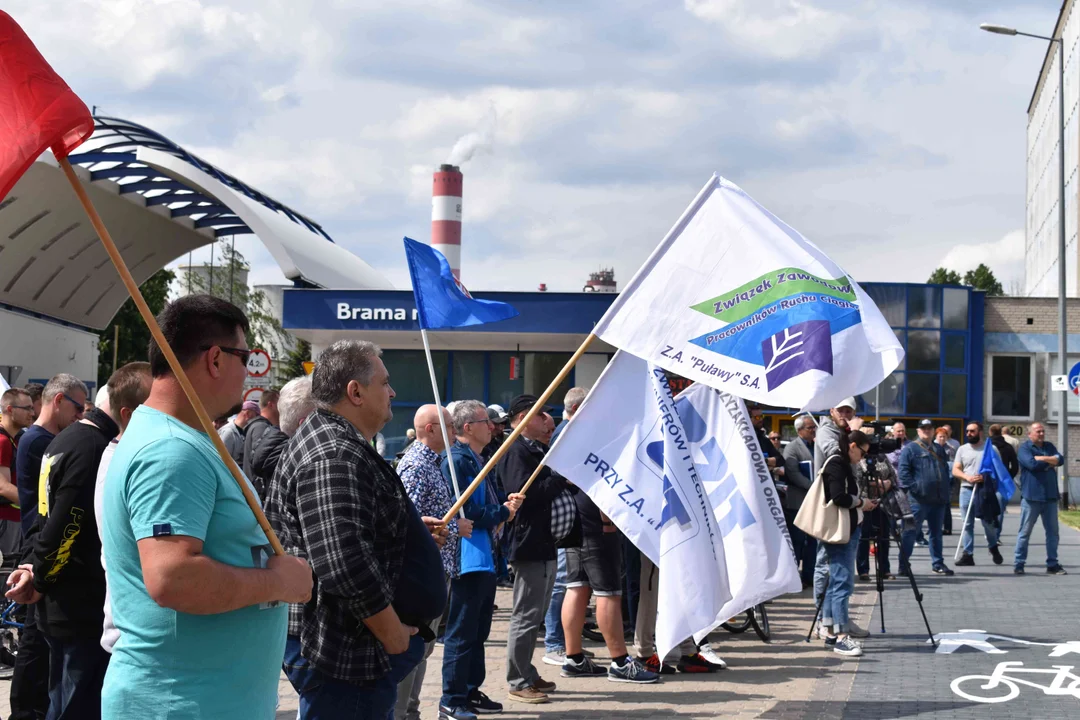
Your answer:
<point x="496" y="415"/>
<point x="522" y="403"/>
<point x="926" y="423"/>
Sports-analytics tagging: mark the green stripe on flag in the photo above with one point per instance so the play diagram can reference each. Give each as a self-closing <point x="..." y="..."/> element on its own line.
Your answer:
<point x="767" y="289"/>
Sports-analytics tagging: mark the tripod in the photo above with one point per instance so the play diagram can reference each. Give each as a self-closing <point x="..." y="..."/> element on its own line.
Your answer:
<point x="891" y="522"/>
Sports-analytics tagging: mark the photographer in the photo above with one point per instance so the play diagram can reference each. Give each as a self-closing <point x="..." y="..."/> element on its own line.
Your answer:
<point x="842" y="490"/>
<point x="876" y="478"/>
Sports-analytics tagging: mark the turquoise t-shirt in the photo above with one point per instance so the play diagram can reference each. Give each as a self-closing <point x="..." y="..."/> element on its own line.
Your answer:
<point x="166" y="479"/>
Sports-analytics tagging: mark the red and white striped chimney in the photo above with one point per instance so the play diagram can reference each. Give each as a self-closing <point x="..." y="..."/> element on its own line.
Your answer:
<point x="446" y="215"/>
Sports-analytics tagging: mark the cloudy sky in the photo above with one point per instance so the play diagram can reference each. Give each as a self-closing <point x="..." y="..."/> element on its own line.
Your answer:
<point x="891" y="134"/>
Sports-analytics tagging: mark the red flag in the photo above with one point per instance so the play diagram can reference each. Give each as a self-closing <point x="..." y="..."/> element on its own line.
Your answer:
<point x="37" y="108"/>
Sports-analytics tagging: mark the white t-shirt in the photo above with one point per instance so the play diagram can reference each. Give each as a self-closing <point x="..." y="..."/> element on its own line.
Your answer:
<point x="109" y="634"/>
<point x="970" y="458"/>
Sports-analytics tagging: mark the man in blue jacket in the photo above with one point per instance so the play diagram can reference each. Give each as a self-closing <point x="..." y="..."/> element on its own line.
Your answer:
<point x="472" y="592"/>
<point x="924" y="474"/>
<point x="1039" y="461"/>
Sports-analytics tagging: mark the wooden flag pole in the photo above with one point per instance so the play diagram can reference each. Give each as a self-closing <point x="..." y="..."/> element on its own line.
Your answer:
<point x="170" y="356"/>
<point x="517" y="431"/>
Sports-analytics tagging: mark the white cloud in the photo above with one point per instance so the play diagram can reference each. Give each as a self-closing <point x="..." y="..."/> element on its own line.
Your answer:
<point x="1005" y="257"/>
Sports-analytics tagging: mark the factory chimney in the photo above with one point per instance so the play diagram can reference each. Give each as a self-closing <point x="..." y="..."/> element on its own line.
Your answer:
<point x="446" y="215"/>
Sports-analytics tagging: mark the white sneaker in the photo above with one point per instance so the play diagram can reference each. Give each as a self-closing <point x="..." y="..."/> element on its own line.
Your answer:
<point x="706" y="651"/>
<point x="555" y="658"/>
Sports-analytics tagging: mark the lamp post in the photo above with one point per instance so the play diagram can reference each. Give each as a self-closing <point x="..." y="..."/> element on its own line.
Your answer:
<point x="1063" y="337"/>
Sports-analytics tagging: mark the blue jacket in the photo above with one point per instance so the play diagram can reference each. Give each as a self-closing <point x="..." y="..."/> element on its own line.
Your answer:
<point x="924" y="473"/>
<point x="482" y="508"/>
<point x="1038" y="480"/>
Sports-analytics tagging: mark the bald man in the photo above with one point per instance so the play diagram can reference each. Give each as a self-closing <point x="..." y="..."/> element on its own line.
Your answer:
<point x="423" y="481"/>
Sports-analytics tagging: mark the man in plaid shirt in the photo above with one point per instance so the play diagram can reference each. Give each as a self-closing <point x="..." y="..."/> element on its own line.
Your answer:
<point x="430" y="493"/>
<point x="378" y="575"/>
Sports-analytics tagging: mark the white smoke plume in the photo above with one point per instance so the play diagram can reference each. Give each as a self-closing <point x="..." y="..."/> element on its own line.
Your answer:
<point x="480" y="140"/>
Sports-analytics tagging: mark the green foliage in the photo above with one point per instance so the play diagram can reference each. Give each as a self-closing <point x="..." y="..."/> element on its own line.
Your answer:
<point x="293" y="367"/>
<point x="942" y="276"/>
<point x="982" y="278"/>
<point x="134" y="335"/>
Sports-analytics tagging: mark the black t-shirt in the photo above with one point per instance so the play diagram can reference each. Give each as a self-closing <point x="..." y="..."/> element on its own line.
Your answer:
<point x="420" y="595"/>
<point x="592" y="524"/>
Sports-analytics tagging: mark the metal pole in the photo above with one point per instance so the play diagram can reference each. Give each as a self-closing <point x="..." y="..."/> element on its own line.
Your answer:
<point x="115" y="345"/>
<point x="1063" y="336"/>
<point x="232" y="264"/>
<point x="210" y="290"/>
<point x="877" y="403"/>
<point x="442" y="419"/>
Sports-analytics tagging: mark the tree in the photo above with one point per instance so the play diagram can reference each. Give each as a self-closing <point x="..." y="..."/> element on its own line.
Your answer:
<point x="134" y="335"/>
<point x="226" y="280"/>
<point x="293" y="367"/>
<point x="982" y="278"/>
<point x="941" y="276"/>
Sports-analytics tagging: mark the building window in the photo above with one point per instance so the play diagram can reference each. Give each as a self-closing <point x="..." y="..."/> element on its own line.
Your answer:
<point x="887" y="398"/>
<point x="467" y="382"/>
<point x="1011" y="394"/>
<point x="409" y="375"/>
<point x="901" y="337"/>
<point x="954" y="395"/>
<point x="924" y="307"/>
<point x="955" y="309"/>
<point x="955" y="351"/>
<point x="923" y="393"/>
<point x="891" y="300"/>
<point x="924" y="350"/>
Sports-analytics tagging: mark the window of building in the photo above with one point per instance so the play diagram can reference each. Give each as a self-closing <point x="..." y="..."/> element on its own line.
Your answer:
<point x="955" y="351"/>
<point x="889" y="395"/>
<point x="923" y="393"/>
<point x="1011" y="387"/>
<point x="924" y="350"/>
<point x="955" y="308"/>
<point x="924" y="307"/>
<point x="409" y="374"/>
<point x="891" y="300"/>
<point x="954" y="395"/>
<point x="467" y="382"/>
<point x="507" y="380"/>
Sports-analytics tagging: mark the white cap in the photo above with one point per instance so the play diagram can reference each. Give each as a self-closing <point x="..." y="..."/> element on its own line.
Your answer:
<point x="847" y="402"/>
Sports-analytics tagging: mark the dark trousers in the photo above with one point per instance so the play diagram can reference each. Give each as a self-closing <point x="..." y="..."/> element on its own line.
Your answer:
<point x="76" y="672"/>
<point x="472" y="603"/>
<point x="631" y="591"/>
<point x="804" y="547"/>
<point x="30" y="680"/>
<point x="872" y="525"/>
<point x="326" y="698"/>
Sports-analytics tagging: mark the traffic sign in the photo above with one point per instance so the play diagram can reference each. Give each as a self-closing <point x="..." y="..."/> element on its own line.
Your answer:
<point x="1059" y="383"/>
<point x="253" y="394"/>
<point x="1074" y="379"/>
<point x="258" y="363"/>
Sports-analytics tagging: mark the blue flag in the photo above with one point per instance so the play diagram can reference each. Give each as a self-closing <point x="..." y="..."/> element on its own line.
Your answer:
<point x="441" y="300"/>
<point x="993" y="467"/>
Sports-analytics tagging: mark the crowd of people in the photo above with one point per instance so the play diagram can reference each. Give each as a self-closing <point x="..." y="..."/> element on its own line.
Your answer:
<point x="151" y="590"/>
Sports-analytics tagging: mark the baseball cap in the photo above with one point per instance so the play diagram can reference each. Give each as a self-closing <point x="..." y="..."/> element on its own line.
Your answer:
<point x="250" y="405"/>
<point x="846" y="402"/>
<point x="926" y="423"/>
<point x="522" y="403"/>
<point x="496" y="414"/>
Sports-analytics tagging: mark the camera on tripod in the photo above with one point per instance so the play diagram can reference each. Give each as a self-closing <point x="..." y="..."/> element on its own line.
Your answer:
<point x="893" y="501"/>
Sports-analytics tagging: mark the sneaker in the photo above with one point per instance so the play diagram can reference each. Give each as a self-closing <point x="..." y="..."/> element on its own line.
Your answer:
<point x="653" y="664"/>
<point x="1018" y="570"/>
<point x="942" y="570"/>
<point x="1056" y="570"/>
<point x="847" y="647"/>
<point x="544" y="686"/>
<point x="857" y="632"/>
<point x="996" y="554"/>
<point x="456" y="713"/>
<point x="632" y="672"/>
<point x="830" y="640"/>
<point x="965" y="561"/>
<point x="585" y="668"/>
<point x="711" y="657"/>
<point x="481" y="704"/>
<point x="529" y="695"/>
<point x="921" y="543"/>
<point x="694" y="664"/>
<point x="555" y="657"/>
<point x="823" y="632"/>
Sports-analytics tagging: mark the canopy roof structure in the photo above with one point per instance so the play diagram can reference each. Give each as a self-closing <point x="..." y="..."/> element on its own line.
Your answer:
<point x="159" y="202"/>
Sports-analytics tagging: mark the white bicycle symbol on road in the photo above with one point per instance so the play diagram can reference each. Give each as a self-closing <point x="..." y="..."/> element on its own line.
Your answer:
<point x="1063" y="682"/>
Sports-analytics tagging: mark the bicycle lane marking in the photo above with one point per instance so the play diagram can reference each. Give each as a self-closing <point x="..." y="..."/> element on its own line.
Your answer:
<point x="1006" y="674"/>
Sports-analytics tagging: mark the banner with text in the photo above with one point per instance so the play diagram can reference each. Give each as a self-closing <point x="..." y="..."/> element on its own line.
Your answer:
<point x="627" y="449"/>
<point x="735" y="298"/>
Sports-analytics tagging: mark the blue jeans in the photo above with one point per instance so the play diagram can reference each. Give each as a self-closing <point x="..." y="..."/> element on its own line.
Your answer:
<point x="76" y="673"/>
<point x="834" y="612"/>
<point x="325" y="698"/>
<point x="821" y="571"/>
<point x="967" y="539"/>
<point x="934" y="515"/>
<point x="1030" y="511"/>
<point x="468" y="623"/>
<point x="554" y="640"/>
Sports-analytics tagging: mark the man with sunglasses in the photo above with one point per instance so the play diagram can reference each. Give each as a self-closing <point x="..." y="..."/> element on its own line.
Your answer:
<point x="61" y="405"/>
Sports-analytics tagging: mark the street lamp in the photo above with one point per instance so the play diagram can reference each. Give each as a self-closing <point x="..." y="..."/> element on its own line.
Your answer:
<point x="1063" y="338"/>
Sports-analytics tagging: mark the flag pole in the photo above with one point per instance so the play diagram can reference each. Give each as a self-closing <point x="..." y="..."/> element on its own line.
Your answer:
<point x="521" y="426"/>
<point x="963" y="529"/>
<point x="442" y="420"/>
<point x="170" y="356"/>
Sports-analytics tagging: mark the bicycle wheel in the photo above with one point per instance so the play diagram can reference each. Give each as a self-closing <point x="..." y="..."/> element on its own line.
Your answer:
<point x="986" y="682"/>
<point x="738" y="626"/>
<point x="759" y="618"/>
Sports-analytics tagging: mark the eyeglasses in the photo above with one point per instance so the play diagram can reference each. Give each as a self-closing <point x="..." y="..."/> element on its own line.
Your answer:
<point x="478" y="421"/>
<point x="238" y="352"/>
<point x="79" y="407"/>
<point x="21" y="407"/>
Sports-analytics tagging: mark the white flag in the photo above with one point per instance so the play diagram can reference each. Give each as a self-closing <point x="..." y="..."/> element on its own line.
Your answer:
<point x="4" y="387"/>
<point x="748" y="511"/>
<point x="734" y="298"/>
<point x="627" y="449"/>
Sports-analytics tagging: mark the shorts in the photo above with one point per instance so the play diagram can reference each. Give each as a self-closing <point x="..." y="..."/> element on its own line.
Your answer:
<point x="597" y="564"/>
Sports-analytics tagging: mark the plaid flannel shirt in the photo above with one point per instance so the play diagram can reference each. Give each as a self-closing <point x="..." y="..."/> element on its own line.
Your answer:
<point x="424" y="482"/>
<point x="335" y="502"/>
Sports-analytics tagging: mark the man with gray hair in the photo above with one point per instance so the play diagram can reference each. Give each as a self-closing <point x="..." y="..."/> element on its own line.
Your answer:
<point x="379" y="579"/>
<point x="799" y="471"/>
<point x="292" y="405"/>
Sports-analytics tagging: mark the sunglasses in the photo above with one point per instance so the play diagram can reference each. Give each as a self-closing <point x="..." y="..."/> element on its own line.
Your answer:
<point x="79" y="407"/>
<point x="238" y="352"/>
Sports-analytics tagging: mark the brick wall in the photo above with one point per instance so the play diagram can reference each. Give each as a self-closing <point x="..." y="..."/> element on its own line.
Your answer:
<point x="1029" y="315"/>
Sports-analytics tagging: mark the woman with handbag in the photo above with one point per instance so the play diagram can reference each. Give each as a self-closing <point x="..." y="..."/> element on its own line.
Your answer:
<point x="842" y="491"/>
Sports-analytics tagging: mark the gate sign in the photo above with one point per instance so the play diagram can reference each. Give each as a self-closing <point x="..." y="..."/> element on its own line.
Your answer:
<point x="1074" y="379"/>
<point x="258" y="363"/>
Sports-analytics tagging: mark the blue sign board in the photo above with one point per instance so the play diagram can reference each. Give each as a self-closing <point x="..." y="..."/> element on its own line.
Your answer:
<point x="541" y="312"/>
<point x="1074" y="379"/>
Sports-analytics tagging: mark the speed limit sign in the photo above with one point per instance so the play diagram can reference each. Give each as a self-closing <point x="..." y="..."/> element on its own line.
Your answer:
<point x="258" y="363"/>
